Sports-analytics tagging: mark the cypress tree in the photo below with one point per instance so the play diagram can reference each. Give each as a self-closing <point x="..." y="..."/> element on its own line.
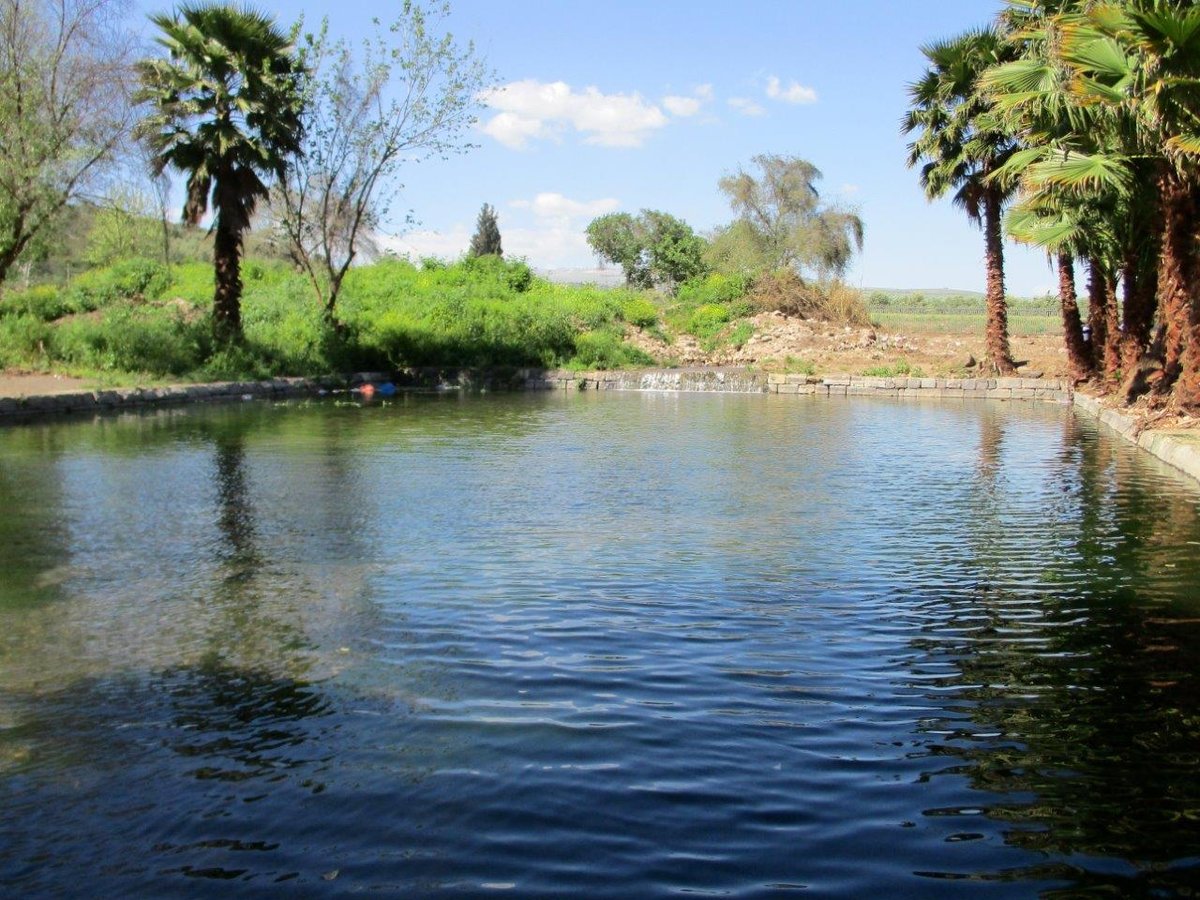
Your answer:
<point x="486" y="241"/>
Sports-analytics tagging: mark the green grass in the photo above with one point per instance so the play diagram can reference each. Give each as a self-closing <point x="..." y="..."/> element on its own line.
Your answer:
<point x="902" y="367"/>
<point x="136" y="320"/>
<point x="963" y="323"/>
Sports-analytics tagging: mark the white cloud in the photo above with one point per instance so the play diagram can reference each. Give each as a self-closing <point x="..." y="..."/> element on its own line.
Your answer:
<point x="553" y="239"/>
<point x="688" y="106"/>
<point x="793" y="93"/>
<point x="532" y="109"/>
<point x="746" y="106"/>
<point x="553" y="205"/>
<point x="682" y="106"/>
<point x="448" y="244"/>
<point x="513" y="130"/>
<point x="849" y="190"/>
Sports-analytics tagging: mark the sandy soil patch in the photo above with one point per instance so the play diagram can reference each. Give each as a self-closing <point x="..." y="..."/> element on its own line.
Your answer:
<point x="780" y="342"/>
<point x="25" y="384"/>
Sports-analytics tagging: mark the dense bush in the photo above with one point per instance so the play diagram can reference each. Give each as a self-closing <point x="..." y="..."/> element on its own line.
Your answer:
<point x="42" y="301"/>
<point x="786" y="292"/>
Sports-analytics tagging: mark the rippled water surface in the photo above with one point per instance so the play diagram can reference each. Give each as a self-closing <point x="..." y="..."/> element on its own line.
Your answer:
<point x="605" y="645"/>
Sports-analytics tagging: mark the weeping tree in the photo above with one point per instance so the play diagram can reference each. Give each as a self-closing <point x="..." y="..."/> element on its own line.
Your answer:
<point x="486" y="240"/>
<point x="782" y="222"/>
<point x="226" y="112"/>
<point x="960" y="142"/>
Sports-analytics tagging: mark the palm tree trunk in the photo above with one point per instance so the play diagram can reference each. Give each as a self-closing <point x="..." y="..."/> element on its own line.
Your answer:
<point x="1176" y="271"/>
<point x="1112" y="326"/>
<point x="1138" y="310"/>
<point x="998" y="351"/>
<point x="227" y="301"/>
<point x="1099" y="301"/>
<point x="1077" y="350"/>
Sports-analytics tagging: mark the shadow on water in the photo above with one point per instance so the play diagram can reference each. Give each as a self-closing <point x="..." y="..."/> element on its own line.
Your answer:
<point x="1075" y="714"/>
<point x="126" y="783"/>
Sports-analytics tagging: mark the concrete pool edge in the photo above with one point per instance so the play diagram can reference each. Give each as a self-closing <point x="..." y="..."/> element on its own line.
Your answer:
<point x="1177" y="448"/>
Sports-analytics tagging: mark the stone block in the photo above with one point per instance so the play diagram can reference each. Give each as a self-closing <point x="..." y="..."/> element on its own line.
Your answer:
<point x="776" y="378"/>
<point x="1024" y="393"/>
<point x="832" y="380"/>
<point x="998" y="393"/>
<point x="787" y="388"/>
<point x="806" y="389"/>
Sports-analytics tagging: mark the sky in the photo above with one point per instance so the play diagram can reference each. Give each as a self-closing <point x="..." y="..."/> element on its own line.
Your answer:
<point x="623" y="105"/>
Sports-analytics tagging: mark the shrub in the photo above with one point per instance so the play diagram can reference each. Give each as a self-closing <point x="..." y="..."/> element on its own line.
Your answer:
<point x="786" y="292"/>
<point x="42" y="301"/>
<point x="705" y="321"/>
<point x="130" y="279"/>
<point x="154" y="341"/>
<point x="24" y="339"/>
<point x="605" y="350"/>
<point x="637" y="310"/>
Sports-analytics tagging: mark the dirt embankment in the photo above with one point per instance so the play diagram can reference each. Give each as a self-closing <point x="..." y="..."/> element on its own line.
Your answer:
<point x="782" y="341"/>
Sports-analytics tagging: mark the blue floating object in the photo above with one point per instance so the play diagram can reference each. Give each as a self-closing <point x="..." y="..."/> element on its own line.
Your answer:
<point x="387" y="389"/>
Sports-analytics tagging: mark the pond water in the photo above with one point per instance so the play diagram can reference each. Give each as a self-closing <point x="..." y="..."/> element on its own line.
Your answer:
<point x="615" y="645"/>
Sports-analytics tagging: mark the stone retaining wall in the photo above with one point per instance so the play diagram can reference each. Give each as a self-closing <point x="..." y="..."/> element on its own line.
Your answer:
<point x="1045" y="389"/>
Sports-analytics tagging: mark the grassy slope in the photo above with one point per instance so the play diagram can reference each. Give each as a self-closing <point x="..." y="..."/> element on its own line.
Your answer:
<point x="137" y="320"/>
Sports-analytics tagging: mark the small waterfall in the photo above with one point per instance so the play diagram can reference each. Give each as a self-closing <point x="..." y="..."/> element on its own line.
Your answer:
<point x="734" y="381"/>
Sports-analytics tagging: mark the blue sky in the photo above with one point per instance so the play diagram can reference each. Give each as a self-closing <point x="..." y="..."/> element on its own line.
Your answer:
<point x="626" y="105"/>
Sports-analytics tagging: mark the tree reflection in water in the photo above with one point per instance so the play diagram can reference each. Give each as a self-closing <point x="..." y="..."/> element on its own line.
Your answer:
<point x="1077" y="710"/>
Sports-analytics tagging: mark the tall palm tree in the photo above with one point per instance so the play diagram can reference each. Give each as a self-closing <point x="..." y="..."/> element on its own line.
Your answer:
<point x="1062" y="230"/>
<point x="1084" y="161"/>
<point x="960" y="143"/>
<point x="226" y="112"/>
<point x="1141" y="59"/>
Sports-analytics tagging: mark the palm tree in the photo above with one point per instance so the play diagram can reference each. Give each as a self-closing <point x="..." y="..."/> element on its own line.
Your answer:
<point x="1062" y="230"/>
<point x="225" y="112"/>
<point x="960" y="142"/>
<point x="1129" y="72"/>
<point x="1141" y="60"/>
<point x="1084" y="166"/>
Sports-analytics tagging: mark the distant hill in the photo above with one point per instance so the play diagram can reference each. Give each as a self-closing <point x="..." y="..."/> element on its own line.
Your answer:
<point x="607" y="277"/>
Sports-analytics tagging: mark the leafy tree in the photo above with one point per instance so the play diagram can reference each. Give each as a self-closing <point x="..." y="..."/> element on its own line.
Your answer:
<point x="125" y="226"/>
<point x="617" y="239"/>
<point x="486" y="240"/>
<point x="64" y="110"/>
<point x="409" y="93"/>
<point x="653" y="249"/>
<point x="960" y="142"/>
<point x="225" y="111"/>
<point x="782" y="223"/>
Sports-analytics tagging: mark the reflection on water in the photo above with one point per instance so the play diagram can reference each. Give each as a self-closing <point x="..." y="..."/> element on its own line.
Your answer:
<point x="610" y="645"/>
